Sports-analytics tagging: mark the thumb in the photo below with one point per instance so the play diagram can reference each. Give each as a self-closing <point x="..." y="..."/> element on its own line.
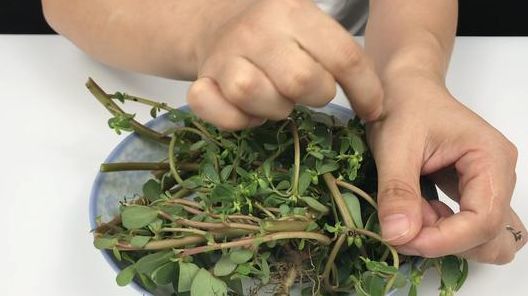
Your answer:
<point x="399" y="197"/>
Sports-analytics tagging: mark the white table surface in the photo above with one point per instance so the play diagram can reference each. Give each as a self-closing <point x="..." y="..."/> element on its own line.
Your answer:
<point x="54" y="135"/>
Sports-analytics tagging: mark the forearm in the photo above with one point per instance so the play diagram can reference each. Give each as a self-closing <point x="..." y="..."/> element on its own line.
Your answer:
<point x="156" y="37"/>
<point x="406" y="36"/>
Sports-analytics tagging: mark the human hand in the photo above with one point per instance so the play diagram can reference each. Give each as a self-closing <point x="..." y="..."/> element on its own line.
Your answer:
<point x="275" y="54"/>
<point x="425" y="131"/>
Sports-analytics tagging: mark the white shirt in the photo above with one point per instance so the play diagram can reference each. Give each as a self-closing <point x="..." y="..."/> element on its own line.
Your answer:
<point x="352" y="14"/>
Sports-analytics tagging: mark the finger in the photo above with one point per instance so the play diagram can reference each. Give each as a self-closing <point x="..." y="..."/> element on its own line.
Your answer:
<point x="433" y="212"/>
<point x="441" y="209"/>
<point x="295" y="74"/>
<point x="207" y="102"/>
<point x="346" y="61"/>
<point x="485" y="188"/>
<point x="501" y="249"/>
<point x="430" y="216"/>
<point x="248" y="88"/>
<point x="399" y="197"/>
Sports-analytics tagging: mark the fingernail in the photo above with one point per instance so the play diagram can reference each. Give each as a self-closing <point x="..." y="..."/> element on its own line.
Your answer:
<point x="394" y="226"/>
<point x="254" y="122"/>
<point x="408" y="251"/>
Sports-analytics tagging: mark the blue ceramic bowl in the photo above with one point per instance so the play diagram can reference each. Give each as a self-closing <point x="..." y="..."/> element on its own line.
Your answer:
<point x="110" y="188"/>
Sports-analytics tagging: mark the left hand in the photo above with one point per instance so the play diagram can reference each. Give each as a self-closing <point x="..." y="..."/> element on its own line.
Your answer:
<point x="425" y="131"/>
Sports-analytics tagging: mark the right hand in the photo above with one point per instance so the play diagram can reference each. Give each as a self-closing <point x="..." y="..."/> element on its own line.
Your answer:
<point x="273" y="55"/>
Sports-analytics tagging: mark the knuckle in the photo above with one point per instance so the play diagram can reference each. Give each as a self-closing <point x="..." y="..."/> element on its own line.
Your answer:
<point x="350" y="57"/>
<point x="241" y="88"/>
<point x="512" y="151"/>
<point x="396" y="189"/>
<point x="374" y="108"/>
<point x="328" y="92"/>
<point x="395" y="196"/>
<point x="196" y="95"/>
<point x="504" y="258"/>
<point x="296" y="84"/>
<point x="492" y="225"/>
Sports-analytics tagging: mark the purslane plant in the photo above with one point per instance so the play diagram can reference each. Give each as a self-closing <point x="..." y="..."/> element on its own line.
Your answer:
<point x="289" y="203"/>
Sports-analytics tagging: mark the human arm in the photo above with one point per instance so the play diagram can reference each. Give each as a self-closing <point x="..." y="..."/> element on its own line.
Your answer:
<point x="252" y="60"/>
<point x="426" y="131"/>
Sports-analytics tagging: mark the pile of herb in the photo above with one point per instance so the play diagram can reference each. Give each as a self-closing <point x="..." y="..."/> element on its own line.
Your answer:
<point x="289" y="203"/>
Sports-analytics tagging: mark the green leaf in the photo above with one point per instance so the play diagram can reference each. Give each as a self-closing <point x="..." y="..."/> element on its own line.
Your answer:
<point x="374" y="284"/>
<point x="105" y="243"/>
<point x="400" y="281"/>
<point x="379" y="267"/>
<point x="284" y="209"/>
<point x="119" y="96"/>
<point x="126" y="275"/>
<point x="265" y="271"/>
<point x="187" y="273"/>
<point x="316" y="154"/>
<point x="225" y="266"/>
<point x="357" y="144"/>
<point x="147" y="264"/>
<point x="236" y="285"/>
<point x="244" y="269"/>
<point x="176" y="115"/>
<point x="283" y="185"/>
<point x="413" y="291"/>
<point x="266" y="167"/>
<point x="155" y="226"/>
<point x="323" y="118"/>
<point x="241" y="256"/>
<point x="242" y="172"/>
<point x="354" y="207"/>
<point x="304" y="181"/>
<point x="198" y="145"/>
<point x="154" y="112"/>
<point x="327" y="166"/>
<point x="205" y="284"/>
<point x="121" y="122"/>
<point x="450" y="271"/>
<point x="117" y="253"/>
<point x="226" y="172"/>
<point x="164" y="274"/>
<point x="462" y="279"/>
<point x="315" y="204"/>
<point x="139" y="241"/>
<point x="152" y="190"/>
<point x="223" y="192"/>
<point x="147" y="283"/>
<point x="192" y="182"/>
<point x="210" y="173"/>
<point x="135" y="216"/>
